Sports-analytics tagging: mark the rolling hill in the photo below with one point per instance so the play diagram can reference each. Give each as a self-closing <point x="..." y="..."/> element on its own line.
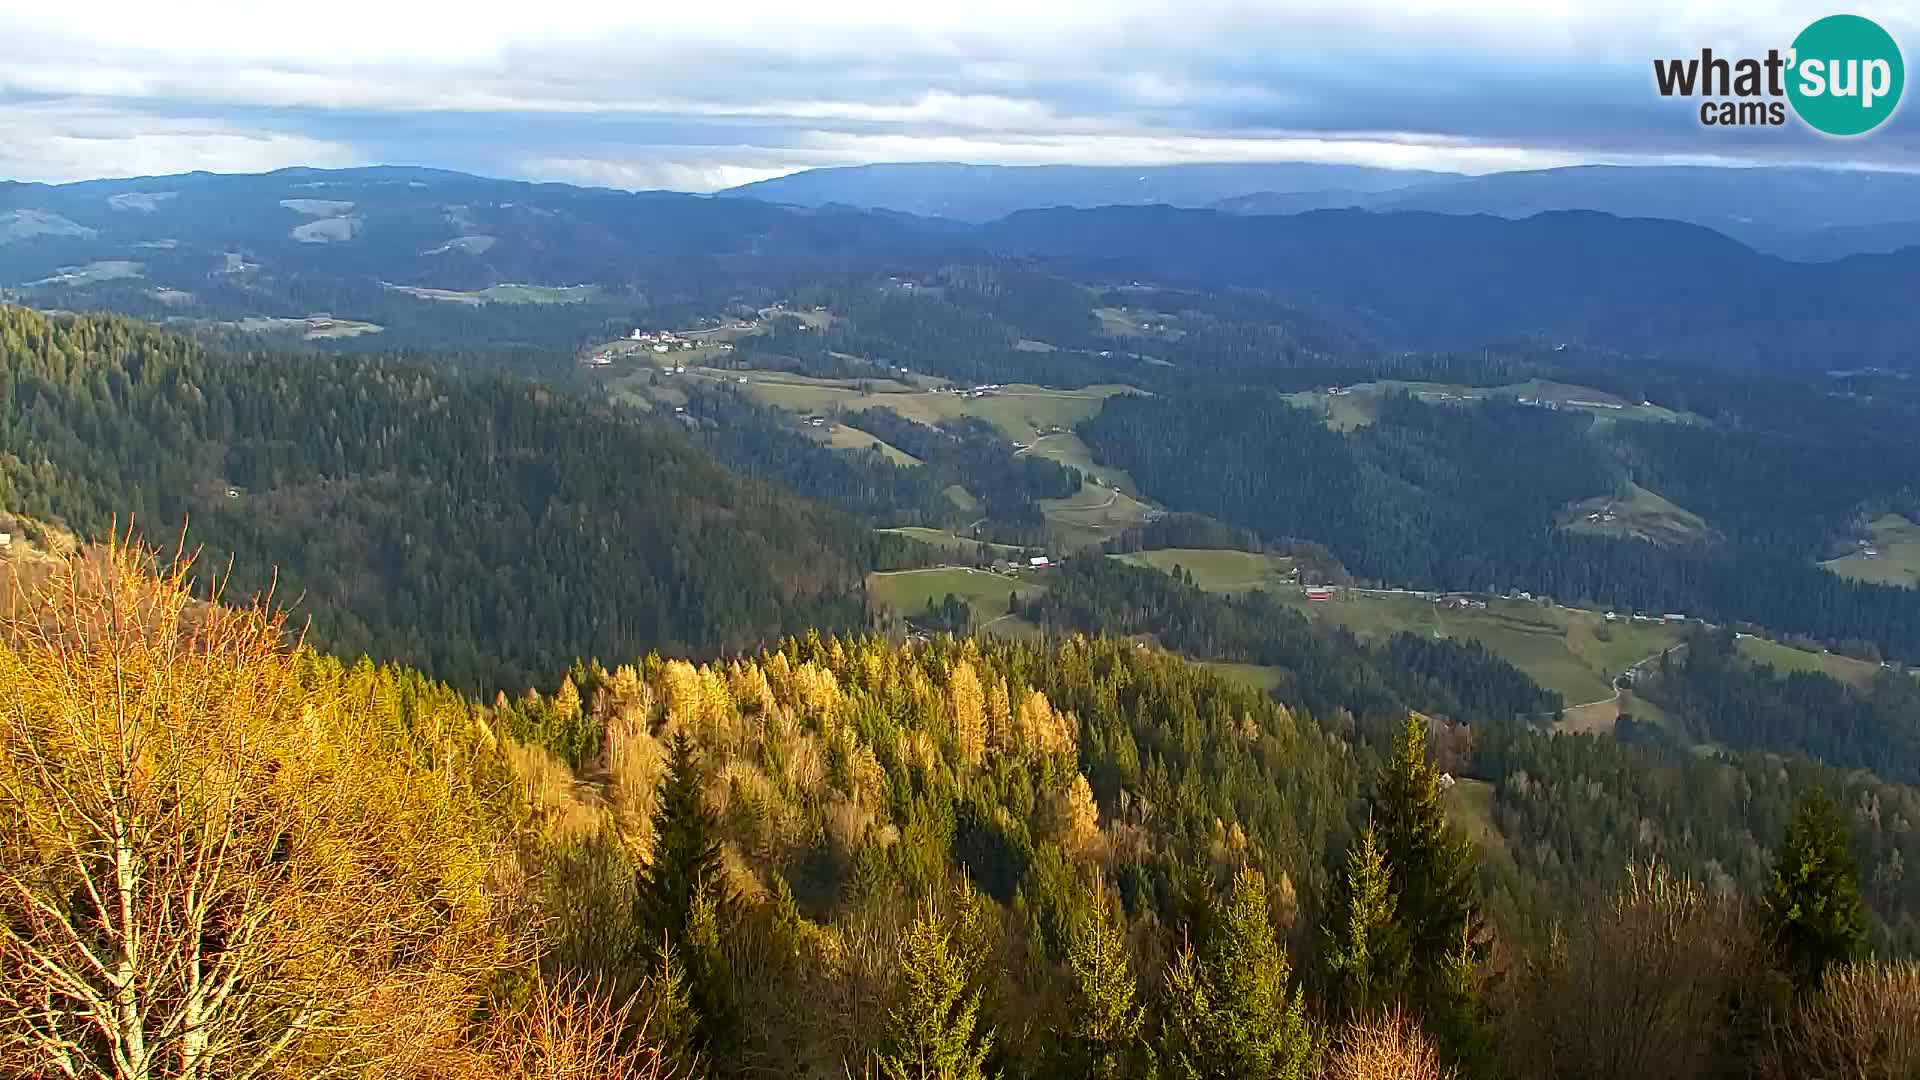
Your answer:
<point x="1422" y="280"/>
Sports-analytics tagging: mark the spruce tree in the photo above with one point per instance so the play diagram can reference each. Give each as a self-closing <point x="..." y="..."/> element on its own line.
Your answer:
<point x="681" y="901"/>
<point x="1440" y="936"/>
<point x="1103" y="1017"/>
<point x="1365" y="967"/>
<point x="1228" y="1013"/>
<point x="1430" y="863"/>
<point x="934" y="1024"/>
<point x="1813" y="903"/>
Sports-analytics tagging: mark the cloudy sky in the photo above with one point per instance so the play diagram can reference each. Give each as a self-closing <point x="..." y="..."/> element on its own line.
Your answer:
<point x="696" y="96"/>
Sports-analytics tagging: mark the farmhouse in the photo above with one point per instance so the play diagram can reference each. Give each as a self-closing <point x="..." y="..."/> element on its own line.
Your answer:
<point x="1319" y="594"/>
<point x="1039" y="562"/>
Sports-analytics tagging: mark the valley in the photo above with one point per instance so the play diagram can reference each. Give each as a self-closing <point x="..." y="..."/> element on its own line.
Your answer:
<point x="773" y="603"/>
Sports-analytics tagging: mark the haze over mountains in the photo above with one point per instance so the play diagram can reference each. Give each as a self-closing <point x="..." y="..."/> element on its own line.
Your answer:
<point x="1449" y="263"/>
<point x="979" y="193"/>
<point x="1797" y="213"/>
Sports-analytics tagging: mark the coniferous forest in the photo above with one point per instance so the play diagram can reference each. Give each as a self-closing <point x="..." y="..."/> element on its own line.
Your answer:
<point x="486" y="727"/>
<point x="843" y="855"/>
<point x="468" y="525"/>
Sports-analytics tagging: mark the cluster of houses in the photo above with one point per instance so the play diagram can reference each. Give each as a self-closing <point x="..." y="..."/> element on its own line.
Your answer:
<point x="1027" y="562"/>
<point x="983" y="390"/>
<point x="1669" y="617"/>
<point x="666" y="341"/>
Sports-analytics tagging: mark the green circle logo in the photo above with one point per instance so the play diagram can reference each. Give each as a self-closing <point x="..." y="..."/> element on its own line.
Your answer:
<point x="1847" y="75"/>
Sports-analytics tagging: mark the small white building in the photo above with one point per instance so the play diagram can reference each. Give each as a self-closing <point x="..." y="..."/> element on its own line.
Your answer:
<point x="1039" y="562"/>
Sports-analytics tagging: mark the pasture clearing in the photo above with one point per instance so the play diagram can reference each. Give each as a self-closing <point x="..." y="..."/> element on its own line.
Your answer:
<point x="1786" y="659"/>
<point x="1092" y="516"/>
<point x="953" y="543"/>
<point x="842" y="437"/>
<point x="1067" y="448"/>
<point x="1348" y="407"/>
<point x="911" y="592"/>
<point x="1640" y="515"/>
<point x="503" y="294"/>
<point x="1895" y="542"/>
<point x="1575" y="652"/>
<point x="1220" y="570"/>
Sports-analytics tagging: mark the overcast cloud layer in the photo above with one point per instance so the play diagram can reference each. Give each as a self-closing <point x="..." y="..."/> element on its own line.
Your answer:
<point x="707" y="95"/>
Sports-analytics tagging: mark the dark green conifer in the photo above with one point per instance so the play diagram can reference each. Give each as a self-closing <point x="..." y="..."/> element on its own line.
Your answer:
<point x="681" y="901"/>
<point x="1813" y="902"/>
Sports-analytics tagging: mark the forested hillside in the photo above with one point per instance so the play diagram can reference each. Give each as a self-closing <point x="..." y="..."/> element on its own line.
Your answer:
<point x="1456" y="496"/>
<point x="842" y="856"/>
<point x="485" y="529"/>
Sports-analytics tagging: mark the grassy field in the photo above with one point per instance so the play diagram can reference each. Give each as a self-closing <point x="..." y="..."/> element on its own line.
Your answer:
<point x="321" y="208"/>
<point x="1254" y="675"/>
<point x="942" y="540"/>
<point x="1092" y="516"/>
<point x="327" y="230"/>
<point x="842" y="437"/>
<point x="1127" y="322"/>
<point x="1220" y="571"/>
<point x="1897" y="542"/>
<point x="504" y="294"/>
<point x="1067" y="449"/>
<point x="1470" y="806"/>
<point x="313" y="328"/>
<point x="1642" y="515"/>
<point x="1359" y="405"/>
<point x="1786" y="658"/>
<point x="1019" y="411"/>
<point x="105" y="270"/>
<point x="910" y="592"/>
<point x="1574" y="652"/>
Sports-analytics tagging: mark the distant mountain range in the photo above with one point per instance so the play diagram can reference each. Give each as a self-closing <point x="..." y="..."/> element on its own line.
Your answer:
<point x="1797" y="213"/>
<point x="1429" y="280"/>
<point x="980" y="193"/>
<point x="424" y="256"/>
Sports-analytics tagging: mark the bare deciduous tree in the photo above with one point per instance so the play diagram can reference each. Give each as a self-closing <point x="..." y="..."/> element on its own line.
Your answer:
<point x="1640" y="986"/>
<point x="1862" y="1024"/>
<point x="571" y="1031"/>
<point x="1384" y="1047"/>
<point x="220" y="856"/>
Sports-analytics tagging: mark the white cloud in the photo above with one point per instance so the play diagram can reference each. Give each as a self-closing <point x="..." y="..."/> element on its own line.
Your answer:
<point x="61" y="143"/>
<point x="662" y="169"/>
<point x="706" y="168"/>
<point x="1471" y="85"/>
